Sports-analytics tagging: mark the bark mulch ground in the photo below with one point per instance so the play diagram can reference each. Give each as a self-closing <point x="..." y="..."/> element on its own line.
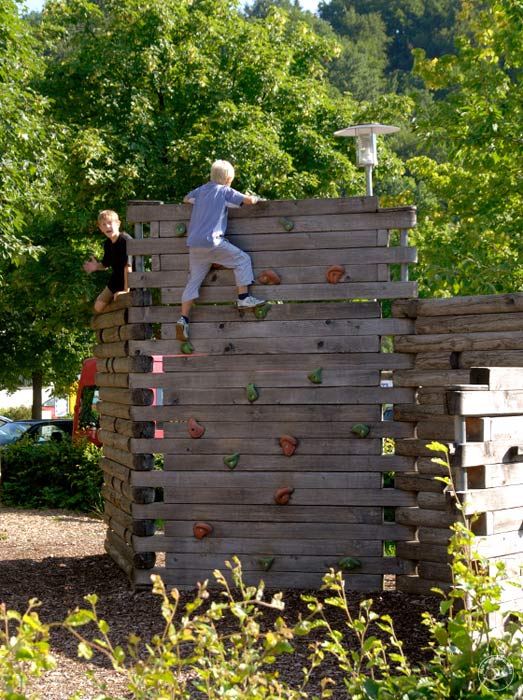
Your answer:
<point x="58" y="557"/>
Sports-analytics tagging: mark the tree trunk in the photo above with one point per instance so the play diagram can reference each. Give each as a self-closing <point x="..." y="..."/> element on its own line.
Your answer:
<point x="36" y="411"/>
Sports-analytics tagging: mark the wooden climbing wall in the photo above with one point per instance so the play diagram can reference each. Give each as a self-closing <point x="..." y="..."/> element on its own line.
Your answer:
<point x="310" y="366"/>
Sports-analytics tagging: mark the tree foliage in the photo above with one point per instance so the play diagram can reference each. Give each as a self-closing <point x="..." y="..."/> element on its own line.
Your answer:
<point x="180" y="83"/>
<point x="471" y="237"/>
<point x="28" y="144"/>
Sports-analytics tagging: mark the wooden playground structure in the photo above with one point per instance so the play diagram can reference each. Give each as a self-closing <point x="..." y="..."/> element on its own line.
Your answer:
<point x="270" y="424"/>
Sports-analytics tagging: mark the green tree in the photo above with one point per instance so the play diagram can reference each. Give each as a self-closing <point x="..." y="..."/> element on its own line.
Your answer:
<point x="34" y="345"/>
<point x="29" y="145"/>
<point x="153" y="91"/>
<point x="471" y="241"/>
<point x="44" y="319"/>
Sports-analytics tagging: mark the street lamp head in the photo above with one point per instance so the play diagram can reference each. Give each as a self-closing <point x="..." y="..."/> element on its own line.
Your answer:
<point x="366" y="152"/>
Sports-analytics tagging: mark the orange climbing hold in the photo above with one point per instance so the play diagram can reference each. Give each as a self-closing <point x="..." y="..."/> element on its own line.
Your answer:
<point x="201" y="530"/>
<point x="196" y="430"/>
<point x="283" y="495"/>
<point x="288" y="444"/>
<point x="269" y="277"/>
<point x="335" y="273"/>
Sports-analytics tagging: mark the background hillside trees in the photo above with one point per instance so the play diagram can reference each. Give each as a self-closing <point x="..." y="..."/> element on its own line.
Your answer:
<point x="409" y="24"/>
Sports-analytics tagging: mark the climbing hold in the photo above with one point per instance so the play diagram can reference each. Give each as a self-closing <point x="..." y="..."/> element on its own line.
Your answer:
<point x="283" y="495"/>
<point x="232" y="460"/>
<point x="335" y="273"/>
<point x="201" y="530"/>
<point x="180" y="229"/>
<point x="288" y="444"/>
<point x="195" y="429"/>
<point x="187" y="348"/>
<point x="269" y="277"/>
<point x="316" y="375"/>
<point x="360" y="430"/>
<point x="287" y="224"/>
<point x="266" y="563"/>
<point x="252" y="392"/>
<point x="262" y="311"/>
<point x="349" y="563"/>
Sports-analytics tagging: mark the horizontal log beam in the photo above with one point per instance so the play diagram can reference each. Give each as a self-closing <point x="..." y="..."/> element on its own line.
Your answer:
<point x="492" y="499"/>
<point x="498" y="378"/>
<point x="144" y="527"/>
<point x="454" y="342"/>
<point x="473" y="402"/>
<point x="130" y="331"/>
<point x="125" y="365"/>
<point x="486" y="304"/>
<point x="474" y="454"/>
<point x="127" y="428"/>
<point x="141" y="560"/>
<point x="129" y="397"/>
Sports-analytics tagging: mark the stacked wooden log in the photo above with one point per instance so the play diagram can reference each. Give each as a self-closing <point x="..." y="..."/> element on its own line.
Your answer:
<point x="272" y="421"/>
<point x="488" y="468"/>
<point x="118" y="426"/>
<point x="451" y="336"/>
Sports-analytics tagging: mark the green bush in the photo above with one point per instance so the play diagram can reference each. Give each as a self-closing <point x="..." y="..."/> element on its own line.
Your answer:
<point x="224" y="648"/>
<point x="25" y="652"/>
<point x="52" y="475"/>
<point x="16" y="412"/>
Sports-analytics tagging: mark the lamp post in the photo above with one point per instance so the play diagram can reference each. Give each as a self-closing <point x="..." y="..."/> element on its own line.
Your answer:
<point x="366" y="154"/>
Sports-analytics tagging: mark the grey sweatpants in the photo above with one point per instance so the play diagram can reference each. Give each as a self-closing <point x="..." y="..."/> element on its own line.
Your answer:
<point x="226" y="254"/>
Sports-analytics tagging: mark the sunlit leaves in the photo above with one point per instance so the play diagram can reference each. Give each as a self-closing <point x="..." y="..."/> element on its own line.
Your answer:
<point x="476" y="122"/>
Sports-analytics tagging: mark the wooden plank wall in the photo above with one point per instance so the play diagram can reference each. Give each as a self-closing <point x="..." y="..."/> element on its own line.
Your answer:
<point x="288" y="517"/>
<point x="451" y="337"/>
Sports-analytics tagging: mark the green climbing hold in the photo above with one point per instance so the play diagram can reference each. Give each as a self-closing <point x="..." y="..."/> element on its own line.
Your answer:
<point x="360" y="430"/>
<point x="266" y="563"/>
<point x="252" y="392"/>
<point x="316" y="375"/>
<point x="287" y="224"/>
<point x="187" y="348"/>
<point x="231" y="461"/>
<point x="262" y="311"/>
<point x="349" y="563"/>
<point x="180" y="229"/>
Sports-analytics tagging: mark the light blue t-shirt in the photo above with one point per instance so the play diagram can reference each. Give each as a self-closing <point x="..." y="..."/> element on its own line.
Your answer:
<point x="209" y="215"/>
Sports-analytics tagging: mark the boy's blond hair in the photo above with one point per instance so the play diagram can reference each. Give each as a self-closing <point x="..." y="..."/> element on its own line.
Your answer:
<point x="221" y="171"/>
<point x="107" y="215"/>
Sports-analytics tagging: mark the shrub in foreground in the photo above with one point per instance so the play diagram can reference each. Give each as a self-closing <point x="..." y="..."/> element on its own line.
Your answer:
<point x="196" y="655"/>
<point x="52" y="475"/>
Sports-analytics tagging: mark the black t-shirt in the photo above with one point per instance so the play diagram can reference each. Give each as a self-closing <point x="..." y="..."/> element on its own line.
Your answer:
<point x="115" y="257"/>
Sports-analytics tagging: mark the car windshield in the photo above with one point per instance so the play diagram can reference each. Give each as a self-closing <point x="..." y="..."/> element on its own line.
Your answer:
<point x="9" y="432"/>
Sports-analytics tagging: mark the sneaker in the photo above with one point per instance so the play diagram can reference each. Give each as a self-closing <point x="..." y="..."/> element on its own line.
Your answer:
<point x="182" y="329"/>
<point x="250" y="302"/>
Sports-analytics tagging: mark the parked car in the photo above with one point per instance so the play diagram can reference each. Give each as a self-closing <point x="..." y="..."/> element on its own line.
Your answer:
<point x="45" y="430"/>
<point x="4" y="420"/>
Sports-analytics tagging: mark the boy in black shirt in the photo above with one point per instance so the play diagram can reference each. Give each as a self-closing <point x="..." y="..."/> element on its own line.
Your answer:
<point x="115" y="257"/>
